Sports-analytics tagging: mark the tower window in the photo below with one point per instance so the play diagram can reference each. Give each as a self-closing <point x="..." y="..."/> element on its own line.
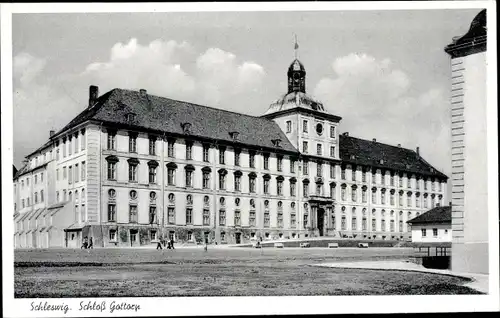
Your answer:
<point x="305" y="125"/>
<point x="289" y="126"/>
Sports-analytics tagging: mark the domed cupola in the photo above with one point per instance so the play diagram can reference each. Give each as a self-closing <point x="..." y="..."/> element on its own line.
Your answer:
<point x="296" y="77"/>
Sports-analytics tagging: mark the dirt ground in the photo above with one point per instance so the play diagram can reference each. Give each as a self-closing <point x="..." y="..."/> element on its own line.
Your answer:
<point x="217" y="272"/>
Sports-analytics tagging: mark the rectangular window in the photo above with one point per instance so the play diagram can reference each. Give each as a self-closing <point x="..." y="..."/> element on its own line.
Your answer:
<point x="206" y="149"/>
<point x="132" y="142"/>
<point x="206" y="217"/>
<point x="152" y="215"/>
<point x="237" y="183"/>
<point x="332" y="131"/>
<point x="332" y="151"/>
<point x="289" y="126"/>
<point x="305" y="168"/>
<point x="400" y="226"/>
<point x="133" y="213"/>
<point x="305" y="147"/>
<point x="342" y="173"/>
<point x="354" y="224"/>
<point x="171" y="176"/>
<point x="266" y="186"/>
<point x="171" y="148"/>
<point x="189" y="178"/>
<point x="251" y="220"/>
<point x="75" y="149"/>
<point x="280" y="219"/>
<point x="292" y="166"/>
<point x="152" y="146"/>
<point x="237" y="158"/>
<point x="111" y="140"/>
<point x="319" y="169"/>
<point x="353" y="174"/>
<point x="222" y="156"/>
<point x="374" y="225"/>
<point x="305" y="126"/>
<point x="354" y="195"/>
<point x="392" y="226"/>
<point x="70" y="175"/>
<point x="306" y="190"/>
<point x="332" y="171"/>
<point x="292" y="189"/>
<point x="382" y="197"/>
<point x="266" y="162"/>
<point x="319" y="149"/>
<point x="293" y="220"/>
<point x="424" y="232"/>
<point x="392" y="180"/>
<point x="363" y="196"/>
<point x="189" y="216"/>
<point x="154" y="235"/>
<point x="267" y="219"/>
<point x="76" y="173"/>
<point x="57" y="175"/>
<point x="392" y="199"/>
<point x="171" y="215"/>
<point x="237" y="217"/>
<point x="41" y="177"/>
<point x="57" y="154"/>
<point x="206" y="180"/>
<point x="112" y="236"/>
<point x="252" y="184"/>
<point x="251" y="160"/>
<point x="279" y="163"/>
<point x="383" y="178"/>
<point x="363" y="224"/>
<point x="343" y="224"/>
<point x="382" y="225"/>
<point x="319" y="189"/>
<point x="222" y="181"/>
<point x="152" y="174"/>
<point x="36" y="178"/>
<point x="435" y="232"/>
<point x="70" y="143"/>
<point x="84" y="171"/>
<point x="132" y="172"/>
<point x="363" y="176"/>
<point x="409" y="201"/>
<point x="280" y="187"/>
<point x="222" y="217"/>
<point x="374" y="197"/>
<point x="305" y="221"/>
<point x="83" y="140"/>
<point x="189" y="151"/>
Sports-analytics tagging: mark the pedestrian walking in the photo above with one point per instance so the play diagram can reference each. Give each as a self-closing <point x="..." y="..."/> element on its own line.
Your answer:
<point x="85" y="243"/>
<point x="91" y="243"/>
<point x="158" y="246"/>
<point x="172" y="243"/>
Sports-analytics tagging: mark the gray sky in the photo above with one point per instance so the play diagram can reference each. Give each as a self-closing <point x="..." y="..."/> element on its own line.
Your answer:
<point x="384" y="72"/>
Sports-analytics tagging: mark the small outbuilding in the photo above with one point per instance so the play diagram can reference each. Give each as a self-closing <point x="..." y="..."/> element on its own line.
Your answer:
<point x="432" y="226"/>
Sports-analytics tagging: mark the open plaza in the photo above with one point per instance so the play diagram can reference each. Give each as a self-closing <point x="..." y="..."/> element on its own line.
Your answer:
<point x="224" y="271"/>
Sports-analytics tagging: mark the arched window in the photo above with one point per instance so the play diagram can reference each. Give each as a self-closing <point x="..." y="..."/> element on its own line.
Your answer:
<point x="343" y="192"/>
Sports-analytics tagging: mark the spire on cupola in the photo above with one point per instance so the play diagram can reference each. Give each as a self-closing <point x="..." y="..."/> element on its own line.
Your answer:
<point x="296" y="73"/>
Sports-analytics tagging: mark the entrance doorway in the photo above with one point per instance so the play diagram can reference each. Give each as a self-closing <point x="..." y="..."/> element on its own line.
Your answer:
<point x="321" y="221"/>
<point x="238" y="238"/>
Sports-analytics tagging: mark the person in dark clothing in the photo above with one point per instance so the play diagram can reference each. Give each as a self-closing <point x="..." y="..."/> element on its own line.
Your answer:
<point x="168" y="245"/>
<point x="91" y="243"/>
<point x="85" y="243"/>
<point x="172" y="244"/>
<point x="158" y="246"/>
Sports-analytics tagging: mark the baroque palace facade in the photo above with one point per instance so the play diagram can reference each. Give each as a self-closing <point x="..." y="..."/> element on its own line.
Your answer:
<point x="134" y="168"/>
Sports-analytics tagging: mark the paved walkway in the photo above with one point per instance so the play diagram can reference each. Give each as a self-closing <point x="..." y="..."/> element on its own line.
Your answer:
<point x="479" y="281"/>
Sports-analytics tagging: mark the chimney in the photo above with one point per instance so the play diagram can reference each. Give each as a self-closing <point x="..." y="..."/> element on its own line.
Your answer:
<point x="374" y="140"/>
<point x="450" y="203"/>
<point x="346" y="133"/>
<point x="93" y="95"/>
<point x="418" y="151"/>
<point x="143" y="92"/>
<point x="52" y="133"/>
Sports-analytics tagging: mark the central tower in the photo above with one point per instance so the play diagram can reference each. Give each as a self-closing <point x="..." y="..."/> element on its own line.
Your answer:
<point x="296" y="77"/>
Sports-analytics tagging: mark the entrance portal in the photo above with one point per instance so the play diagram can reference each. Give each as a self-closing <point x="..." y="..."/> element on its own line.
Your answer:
<point x="321" y="221"/>
<point x="238" y="238"/>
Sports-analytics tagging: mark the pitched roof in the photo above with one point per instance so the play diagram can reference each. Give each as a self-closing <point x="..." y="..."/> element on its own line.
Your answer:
<point x="440" y="214"/>
<point x="168" y="115"/>
<point x="375" y="154"/>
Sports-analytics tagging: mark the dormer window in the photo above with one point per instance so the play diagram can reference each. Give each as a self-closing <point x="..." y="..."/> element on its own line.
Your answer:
<point x="235" y="135"/>
<point x="276" y="142"/>
<point x="131" y="117"/>
<point x="186" y="128"/>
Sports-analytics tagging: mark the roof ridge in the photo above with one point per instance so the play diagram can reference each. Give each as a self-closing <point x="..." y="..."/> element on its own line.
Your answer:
<point x="382" y="143"/>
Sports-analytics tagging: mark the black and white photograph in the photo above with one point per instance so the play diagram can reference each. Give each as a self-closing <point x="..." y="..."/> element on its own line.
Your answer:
<point x="257" y="158"/>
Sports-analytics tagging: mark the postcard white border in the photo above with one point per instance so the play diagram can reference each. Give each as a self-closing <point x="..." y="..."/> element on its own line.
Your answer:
<point x="205" y="306"/>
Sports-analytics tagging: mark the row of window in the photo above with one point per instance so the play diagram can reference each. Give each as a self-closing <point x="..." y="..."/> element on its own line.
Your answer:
<point x="72" y="173"/>
<point x="35" y="179"/>
<point x="305" y="128"/>
<point x="68" y="196"/>
<point x="35" y="197"/>
<point x="72" y="143"/>
<point x="434" y="232"/>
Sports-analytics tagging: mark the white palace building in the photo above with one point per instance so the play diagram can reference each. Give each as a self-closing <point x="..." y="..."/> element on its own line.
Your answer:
<point x="133" y="168"/>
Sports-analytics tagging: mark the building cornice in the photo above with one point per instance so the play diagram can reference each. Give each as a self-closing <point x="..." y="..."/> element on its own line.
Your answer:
<point x="301" y="110"/>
